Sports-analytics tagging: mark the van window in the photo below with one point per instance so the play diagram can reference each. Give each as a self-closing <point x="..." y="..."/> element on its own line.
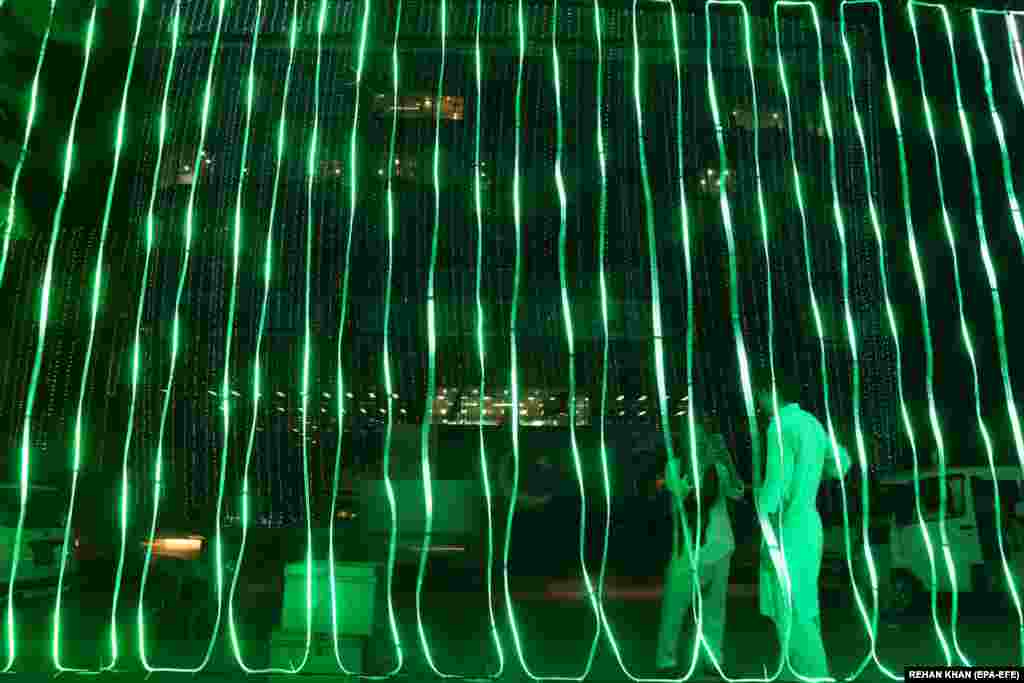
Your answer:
<point x="955" y="492"/>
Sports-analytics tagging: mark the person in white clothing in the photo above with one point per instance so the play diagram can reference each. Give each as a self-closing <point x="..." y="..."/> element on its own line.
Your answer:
<point x="719" y="482"/>
<point x="787" y="501"/>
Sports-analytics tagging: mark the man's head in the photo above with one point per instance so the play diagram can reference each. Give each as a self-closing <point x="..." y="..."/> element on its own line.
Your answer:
<point x="762" y="389"/>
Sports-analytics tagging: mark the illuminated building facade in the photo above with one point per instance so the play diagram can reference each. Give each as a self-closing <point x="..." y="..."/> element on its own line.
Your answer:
<point x="543" y="361"/>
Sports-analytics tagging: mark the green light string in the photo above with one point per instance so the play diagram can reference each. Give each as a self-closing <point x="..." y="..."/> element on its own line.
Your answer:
<point x="428" y="408"/>
<point x="392" y="547"/>
<point x="23" y="154"/>
<point x="560" y="186"/>
<point x="388" y="382"/>
<point x="44" y="314"/>
<point x="602" y="248"/>
<point x="94" y="315"/>
<point x="137" y="342"/>
<point x="775" y="544"/>
<point x="997" y="312"/>
<point x="798" y="185"/>
<point x="517" y="212"/>
<point x="659" y="355"/>
<point x="891" y="317"/>
<point x="175" y="335"/>
<point x="481" y="349"/>
<point x="997" y="123"/>
<point x="933" y="417"/>
<point x="965" y="336"/>
<point x="307" y="344"/>
<point x="236" y="256"/>
<point x="563" y="275"/>
<point x="870" y="621"/>
<point x="257" y="392"/>
<point x="1015" y="215"/>
<point x="689" y="316"/>
<point x="1017" y="54"/>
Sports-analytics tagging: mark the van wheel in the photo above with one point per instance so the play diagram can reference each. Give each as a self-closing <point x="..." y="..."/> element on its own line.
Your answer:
<point x="903" y="593"/>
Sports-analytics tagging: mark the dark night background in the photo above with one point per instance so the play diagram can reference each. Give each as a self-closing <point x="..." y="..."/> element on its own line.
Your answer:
<point x="193" y="433"/>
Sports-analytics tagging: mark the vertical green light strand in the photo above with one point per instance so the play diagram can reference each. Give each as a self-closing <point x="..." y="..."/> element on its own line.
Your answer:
<point x="307" y="343"/>
<point x="257" y="370"/>
<point x="997" y="124"/>
<point x="517" y="212"/>
<point x="922" y="296"/>
<point x="964" y="335"/>
<point x="250" y="88"/>
<point x="169" y="389"/>
<point x="23" y="154"/>
<point x="602" y="249"/>
<point x="658" y="345"/>
<point x="1016" y="53"/>
<point x="997" y="314"/>
<point x="44" y="314"/>
<point x="388" y="381"/>
<point x="684" y="218"/>
<point x="563" y="275"/>
<point x="137" y="339"/>
<point x="94" y="315"/>
<point x="480" y="337"/>
<point x="774" y="543"/>
<point x="871" y="621"/>
<point x="1011" y="197"/>
<point x="806" y="240"/>
<point x="891" y="317"/>
<point x="428" y="407"/>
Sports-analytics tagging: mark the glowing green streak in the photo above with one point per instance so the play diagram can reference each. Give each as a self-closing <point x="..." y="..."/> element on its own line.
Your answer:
<point x="922" y="295"/>
<point x="659" y="354"/>
<point x="891" y="317"/>
<point x="997" y="309"/>
<point x="307" y="344"/>
<point x="189" y="219"/>
<point x="870" y="621"/>
<point x="236" y="253"/>
<point x="810" y="282"/>
<point x="94" y="314"/>
<point x="1017" y="54"/>
<point x="602" y="226"/>
<point x="44" y="314"/>
<point x="689" y="311"/>
<point x="965" y="336"/>
<point x="256" y="392"/>
<point x="1015" y="214"/>
<point x="513" y="335"/>
<point x="428" y="409"/>
<point x="392" y="542"/>
<point x="570" y="341"/>
<point x="775" y="545"/>
<point x="481" y="350"/>
<point x="1011" y="193"/>
<point x="29" y="123"/>
<point x="387" y="360"/>
<point x="137" y="343"/>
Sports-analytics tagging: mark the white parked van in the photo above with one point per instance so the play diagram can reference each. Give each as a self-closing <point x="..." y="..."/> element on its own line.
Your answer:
<point x="970" y="526"/>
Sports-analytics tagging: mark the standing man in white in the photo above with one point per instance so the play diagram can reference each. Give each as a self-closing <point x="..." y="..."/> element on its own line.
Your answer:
<point x="788" y="499"/>
<point x="719" y="482"/>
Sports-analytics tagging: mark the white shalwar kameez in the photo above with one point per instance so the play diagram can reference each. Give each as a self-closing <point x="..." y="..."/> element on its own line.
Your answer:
<point x="791" y="490"/>
<point x="713" y="567"/>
